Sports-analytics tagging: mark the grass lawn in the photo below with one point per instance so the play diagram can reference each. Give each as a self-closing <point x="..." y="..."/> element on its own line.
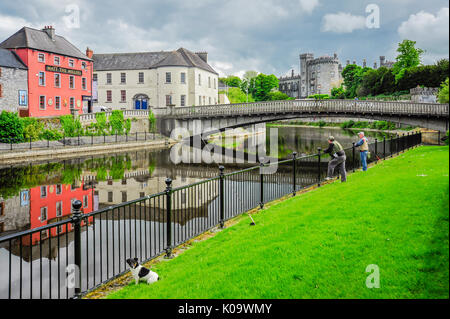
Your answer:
<point x="318" y="244"/>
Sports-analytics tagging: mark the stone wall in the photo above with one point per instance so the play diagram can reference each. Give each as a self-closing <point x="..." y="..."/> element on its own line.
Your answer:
<point x="12" y="80"/>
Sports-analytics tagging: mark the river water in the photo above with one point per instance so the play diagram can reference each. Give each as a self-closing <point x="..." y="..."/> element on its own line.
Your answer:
<point x="34" y="195"/>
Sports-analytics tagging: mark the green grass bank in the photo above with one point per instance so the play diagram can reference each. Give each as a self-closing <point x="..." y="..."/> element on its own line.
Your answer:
<point x="318" y="244"/>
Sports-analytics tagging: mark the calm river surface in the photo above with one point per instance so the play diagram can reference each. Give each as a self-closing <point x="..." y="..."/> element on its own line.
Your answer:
<point x="35" y="195"/>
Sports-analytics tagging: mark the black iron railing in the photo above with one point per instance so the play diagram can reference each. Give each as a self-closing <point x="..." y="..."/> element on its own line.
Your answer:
<point x="10" y="144"/>
<point x="73" y="256"/>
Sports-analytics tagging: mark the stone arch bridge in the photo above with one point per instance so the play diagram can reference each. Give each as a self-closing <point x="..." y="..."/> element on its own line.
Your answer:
<point x="214" y="118"/>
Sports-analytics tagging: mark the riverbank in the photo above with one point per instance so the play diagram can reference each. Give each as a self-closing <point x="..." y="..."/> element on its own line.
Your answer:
<point x="399" y="131"/>
<point x="394" y="216"/>
<point x="36" y="155"/>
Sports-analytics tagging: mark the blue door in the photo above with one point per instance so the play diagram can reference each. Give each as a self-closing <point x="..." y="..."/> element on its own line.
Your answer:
<point x="137" y="104"/>
<point x="144" y="104"/>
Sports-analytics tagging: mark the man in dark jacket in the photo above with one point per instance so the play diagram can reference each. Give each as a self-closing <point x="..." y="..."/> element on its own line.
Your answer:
<point x="338" y="158"/>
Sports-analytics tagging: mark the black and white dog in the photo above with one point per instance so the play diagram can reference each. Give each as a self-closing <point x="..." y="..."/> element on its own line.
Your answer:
<point x="141" y="273"/>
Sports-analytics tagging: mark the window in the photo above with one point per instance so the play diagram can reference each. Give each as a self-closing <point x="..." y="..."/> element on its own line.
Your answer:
<point x="123" y="78"/>
<point x="58" y="187"/>
<point x="56" y="60"/>
<point x="199" y="100"/>
<point x="60" y="229"/>
<point x="43" y="214"/>
<point x="109" y="96"/>
<point x="168" y="77"/>
<point x="41" y="78"/>
<point x="59" y="210"/>
<point x="141" y="77"/>
<point x="183" y="78"/>
<point x="41" y="57"/>
<point x="71" y="82"/>
<point x="71" y="63"/>
<point x="44" y="234"/>
<point x="83" y="83"/>
<point x="110" y="197"/>
<point x="183" y="100"/>
<point x="108" y="78"/>
<point x="124" y="196"/>
<point x="83" y="65"/>
<point x="57" y="80"/>
<point x="58" y="107"/>
<point x="141" y="194"/>
<point x="199" y="79"/>
<point x="85" y="201"/>
<point x="94" y="77"/>
<point x="72" y="102"/>
<point x="42" y="102"/>
<point x="215" y="86"/>
<point x="209" y="82"/>
<point x="123" y="96"/>
<point x="168" y="100"/>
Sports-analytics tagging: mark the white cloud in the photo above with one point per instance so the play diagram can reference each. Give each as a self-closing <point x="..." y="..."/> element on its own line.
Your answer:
<point x="309" y="5"/>
<point x="342" y="22"/>
<point x="429" y="31"/>
<point x="10" y="25"/>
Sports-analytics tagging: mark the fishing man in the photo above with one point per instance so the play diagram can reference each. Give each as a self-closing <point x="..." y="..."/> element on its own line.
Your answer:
<point x="338" y="158"/>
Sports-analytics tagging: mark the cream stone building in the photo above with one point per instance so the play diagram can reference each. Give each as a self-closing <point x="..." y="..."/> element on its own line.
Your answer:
<point x="131" y="81"/>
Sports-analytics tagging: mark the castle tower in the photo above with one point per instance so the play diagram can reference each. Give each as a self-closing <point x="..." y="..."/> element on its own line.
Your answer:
<point x="305" y="58"/>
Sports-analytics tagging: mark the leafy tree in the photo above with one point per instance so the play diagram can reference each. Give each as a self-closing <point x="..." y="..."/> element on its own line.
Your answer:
<point x="152" y="121"/>
<point x="278" y="96"/>
<point x="409" y="56"/>
<point x="236" y="95"/>
<point x="10" y="126"/>
<point x="424" y="75"/>
<point x="262" y="85"/>
<point x="338" y="93"/>
<point x="248" y="75"/>
<point x="443" y="92"/>
<point x="232" y="81"/>
<point x="353" y="75"/>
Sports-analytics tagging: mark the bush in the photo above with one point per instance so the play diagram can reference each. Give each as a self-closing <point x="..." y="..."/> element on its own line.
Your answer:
<point x="51" y="135"/>
<point x="116" y="122"/>
<point x="11" y="126"/>
<point x="278" y="96"/>
<point x="319" y="97"/>
<point x="32" y="128"/>
<point x="151" y="121"/>
<point x="101" y="126"/>
<point x="443" y="92"/>
<point x="71" y="127"/>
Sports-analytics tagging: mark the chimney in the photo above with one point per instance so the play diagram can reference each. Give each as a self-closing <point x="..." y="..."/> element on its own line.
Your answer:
<point x="364" y="63"/>
<point x="375" y="65"/>
<point x="292" y="72"/>
<point x="50" y="31"/>
<point x="89" y="53"/>
<point x="382" y="59"/>
<point x="203" y="56"/>
<point x="348" y="62"/>
<point x="354" y="61"/>
<point x="335" y="55"/>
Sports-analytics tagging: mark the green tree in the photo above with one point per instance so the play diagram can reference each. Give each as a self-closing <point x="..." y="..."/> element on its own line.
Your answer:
<point x="262" y="85"/>
<point x="232" y="81"/>
<point x="353" y="75"/>
<point x="409" y="56"/>
<point x="443" y="92"/>
<point x="11" y="126"/>
<point x="338" y="93"/>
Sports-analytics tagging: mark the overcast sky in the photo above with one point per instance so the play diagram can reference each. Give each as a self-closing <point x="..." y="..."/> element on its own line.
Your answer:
<point x="262" y="35"/>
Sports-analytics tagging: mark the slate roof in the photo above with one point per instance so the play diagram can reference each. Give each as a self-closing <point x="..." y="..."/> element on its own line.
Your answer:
<point x="39" y="40"/>
<point x="10" y="60"/>
<point x="149" y="60"/>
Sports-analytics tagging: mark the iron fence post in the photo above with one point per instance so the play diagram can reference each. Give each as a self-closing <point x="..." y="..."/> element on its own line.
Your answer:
<point x="318" y="165"/>
<point x="126" y="134"/>
<point x="10" y="142"/>
<point x="376" y="149"/>
<point x="136" y="136"/>
<point x="261" y="186"/>
<point x="439" y="137"/>
<point x="353" y="156"/>
<point x="398" y="144"/>
<point x="145" y="135"/>
<point x="78" y="139"/>
<point x="76" y="220"/>
<point x="92" y="139"/>
<point x="48" y="143"/>
<point x="294" y="178"/>
<point x="104" y="138"/>
<point x="169" y="217"/>
<point x="384" y="147"/>
<point x="30" y="143"/>
<point x="222" y="199"/>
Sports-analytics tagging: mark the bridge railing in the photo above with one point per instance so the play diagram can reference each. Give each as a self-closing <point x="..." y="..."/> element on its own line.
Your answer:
<point x="127" y="114"/>
<point x="98" y="244"/>
<point x="309" y="106"/>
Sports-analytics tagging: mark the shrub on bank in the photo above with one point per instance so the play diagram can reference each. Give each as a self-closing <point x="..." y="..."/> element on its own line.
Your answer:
<point x="11" y="126"/>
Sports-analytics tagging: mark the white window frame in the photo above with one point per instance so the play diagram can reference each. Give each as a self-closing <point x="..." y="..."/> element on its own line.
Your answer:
<point x="56" y="105"/>
<point x="43" y="57"/>
<point x="45" y="209"/>
<point x="84" y="85"/>
<point x="183" y="80"/>
<point x="72" y="99"/>
<point x="39" y="78"/>
<point x="72" y="77"/>
<point x="56" y="207"/>
<point x="71" y="63"/>
<point x="183" y="100"/>
<point x="54" y="80"/>
<point x="169" y="76"/>
<point x="45" y="102"/>
<point x="56" y="58"/>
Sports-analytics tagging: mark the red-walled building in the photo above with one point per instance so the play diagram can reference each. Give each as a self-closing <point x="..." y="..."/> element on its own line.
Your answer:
<point x="59" y="75"/>
<point x="53" y="203"/>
